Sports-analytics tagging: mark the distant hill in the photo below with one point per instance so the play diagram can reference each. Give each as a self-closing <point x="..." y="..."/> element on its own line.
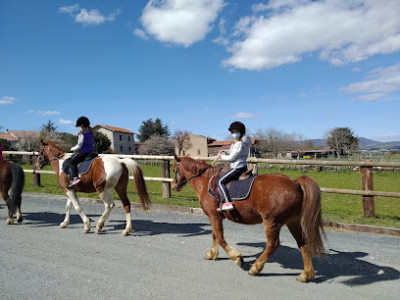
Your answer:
<point x="364" y="144"/>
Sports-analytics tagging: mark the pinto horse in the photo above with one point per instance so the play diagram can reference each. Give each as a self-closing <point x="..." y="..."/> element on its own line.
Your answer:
<point x="105" y="174"/>
<point x="275" y="200"/>
<point x="12" y="178"/>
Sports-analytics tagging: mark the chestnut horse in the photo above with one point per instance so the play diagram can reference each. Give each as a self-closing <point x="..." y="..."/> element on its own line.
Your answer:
<point x="12" y="178"/>
<point x="105" y="174"/>
<point x="275" y="200"/>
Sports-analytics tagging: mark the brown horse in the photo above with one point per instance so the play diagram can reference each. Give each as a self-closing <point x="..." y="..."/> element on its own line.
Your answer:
<point x="275" y="200"/>
<point x="105" y="174"/>
<point x="12" y="178"/>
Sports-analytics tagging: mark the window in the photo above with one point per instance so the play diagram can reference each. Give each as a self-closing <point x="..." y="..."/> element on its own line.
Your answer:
<point x="130" y="148"/>
<point x="121" y="148"/>
<point x="198" y="152"/>
<point x="129" y="137"/>
<point x="120" y="137"/>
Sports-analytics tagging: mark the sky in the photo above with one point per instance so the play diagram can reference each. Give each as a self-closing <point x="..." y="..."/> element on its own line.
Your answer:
<point x="297" y="66"/>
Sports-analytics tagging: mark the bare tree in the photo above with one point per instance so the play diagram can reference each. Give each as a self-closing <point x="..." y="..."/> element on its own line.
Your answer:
<point x="182" y="140"/>
<point x="157" y="145"/>
<point x="342" y="139"/>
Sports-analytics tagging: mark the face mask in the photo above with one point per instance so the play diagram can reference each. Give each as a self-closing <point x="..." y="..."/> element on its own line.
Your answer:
<point x="236" y="135"/>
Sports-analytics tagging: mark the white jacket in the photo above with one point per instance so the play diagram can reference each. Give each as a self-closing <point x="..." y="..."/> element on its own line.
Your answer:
<point x="238" y="153"/>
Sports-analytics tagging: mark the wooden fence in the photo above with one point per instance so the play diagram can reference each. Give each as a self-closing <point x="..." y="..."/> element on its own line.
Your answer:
<point x="366" y="170"/>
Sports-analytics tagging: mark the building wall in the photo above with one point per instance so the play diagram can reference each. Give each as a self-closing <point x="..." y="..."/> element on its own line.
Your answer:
<point x="120" y="139"/>
<point x="199" y="146"/>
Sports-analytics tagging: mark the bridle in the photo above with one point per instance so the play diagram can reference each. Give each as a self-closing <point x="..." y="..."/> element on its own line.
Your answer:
<point x="43" y="163"/>
<point x="180" y="184"/>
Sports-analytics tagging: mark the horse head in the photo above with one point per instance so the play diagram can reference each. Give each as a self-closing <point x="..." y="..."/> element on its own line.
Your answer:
<point x="48" y="151"/>
<point x="179" y="180"/>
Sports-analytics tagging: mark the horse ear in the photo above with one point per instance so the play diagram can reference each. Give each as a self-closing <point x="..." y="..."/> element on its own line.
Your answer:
<point x="176" y="157"/>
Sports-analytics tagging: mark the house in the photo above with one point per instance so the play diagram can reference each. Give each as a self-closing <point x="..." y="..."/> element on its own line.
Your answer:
<point x="29" y="139"/>
<point x="307" y="154"/>
<point x="198" y="146"/>
<point x="122" y="140"/>
<point x="217" y="146"/>
<point x="202" y="146"/>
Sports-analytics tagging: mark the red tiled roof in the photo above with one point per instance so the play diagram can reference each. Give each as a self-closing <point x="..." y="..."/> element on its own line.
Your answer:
<point x="14" y="135"/>
<point x="113" y="128"/>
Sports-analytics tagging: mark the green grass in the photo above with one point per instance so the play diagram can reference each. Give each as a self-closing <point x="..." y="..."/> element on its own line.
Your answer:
<point x="335" y="207"/>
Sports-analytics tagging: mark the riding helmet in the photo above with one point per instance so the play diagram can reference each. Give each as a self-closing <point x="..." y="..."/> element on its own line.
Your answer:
<point x="238" y="126"/>
<point x="82" y="121"/>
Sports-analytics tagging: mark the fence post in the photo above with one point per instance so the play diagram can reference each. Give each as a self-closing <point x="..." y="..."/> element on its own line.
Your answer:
<point x="368" y="184"/>
<point x="166" y="186"/>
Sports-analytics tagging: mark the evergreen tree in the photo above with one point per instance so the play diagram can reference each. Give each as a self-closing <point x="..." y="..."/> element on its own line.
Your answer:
<point x="150" y="128"/>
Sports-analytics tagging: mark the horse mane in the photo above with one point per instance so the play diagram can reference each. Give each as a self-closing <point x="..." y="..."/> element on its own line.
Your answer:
<point x="196" y="166"/>
<point x="54" y="149"/>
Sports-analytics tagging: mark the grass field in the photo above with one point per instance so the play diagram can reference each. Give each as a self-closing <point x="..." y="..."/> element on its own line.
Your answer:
<point x="335" y="207"/>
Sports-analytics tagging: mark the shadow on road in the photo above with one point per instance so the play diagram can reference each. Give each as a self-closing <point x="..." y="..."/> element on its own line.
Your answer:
<point x="334" y="264"/>
<point x="140" y="227"/>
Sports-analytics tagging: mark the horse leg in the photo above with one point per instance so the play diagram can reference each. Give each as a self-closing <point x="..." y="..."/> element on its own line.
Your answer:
<point x="75" y="202"/>
<point x="218" y="231"/>
<point x="68" y="206"/>
<point x="308" y="271"/>
<point x="213" y="254"/>
<point x="10" y="219"/>
<point x="272" y="230"/>
<point x="108" y="206"/>
<point x="19" y="214"/>
<point x="121" y="191"/>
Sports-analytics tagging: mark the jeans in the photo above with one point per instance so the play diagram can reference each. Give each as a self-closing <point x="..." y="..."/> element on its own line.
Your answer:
<point x="74" y="161"/>
<point x="232" y="174"/>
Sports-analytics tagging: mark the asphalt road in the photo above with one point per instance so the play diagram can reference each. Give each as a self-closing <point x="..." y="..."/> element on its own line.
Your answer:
<point x="163" y="259"/>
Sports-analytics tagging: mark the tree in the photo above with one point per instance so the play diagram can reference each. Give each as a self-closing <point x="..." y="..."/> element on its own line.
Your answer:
<point x="150" y="128"/>
<point x="101" y="142"/>
<point x="48" y="131"/>
<point x="342" y="140"/>
<point x="157" y="145"/>
<point x="182" y="140"/>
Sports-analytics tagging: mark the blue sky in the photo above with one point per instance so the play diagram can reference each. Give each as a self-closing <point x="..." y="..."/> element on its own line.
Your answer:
<point x="300" y="66"/>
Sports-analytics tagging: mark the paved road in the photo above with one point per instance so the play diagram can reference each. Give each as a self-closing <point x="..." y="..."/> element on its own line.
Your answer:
<point x="163" y="259"/>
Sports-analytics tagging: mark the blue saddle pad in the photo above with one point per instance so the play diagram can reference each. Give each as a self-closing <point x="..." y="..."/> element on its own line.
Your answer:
<point x="83" y="167"/>
<point x="238" y="189"/>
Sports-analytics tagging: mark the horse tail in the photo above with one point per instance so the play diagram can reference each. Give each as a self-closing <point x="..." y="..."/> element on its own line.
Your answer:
<point x="140" y="184"/>
<point x="311" y="221"/>
<point x="17" y="186"/>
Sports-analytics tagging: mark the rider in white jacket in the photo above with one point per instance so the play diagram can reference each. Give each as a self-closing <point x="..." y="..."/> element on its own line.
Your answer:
<point x="237" y="157"/>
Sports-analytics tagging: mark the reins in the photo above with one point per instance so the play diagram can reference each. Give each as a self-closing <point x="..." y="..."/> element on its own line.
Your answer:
<point x="183" y="182"/>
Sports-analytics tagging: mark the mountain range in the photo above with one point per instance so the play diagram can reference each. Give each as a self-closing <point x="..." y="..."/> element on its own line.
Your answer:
<point x="364" y="144"/>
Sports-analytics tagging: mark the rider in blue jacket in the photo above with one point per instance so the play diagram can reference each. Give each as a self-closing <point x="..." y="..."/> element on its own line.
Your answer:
<point x="84" y="147"/>
<point x="238" y="153"/>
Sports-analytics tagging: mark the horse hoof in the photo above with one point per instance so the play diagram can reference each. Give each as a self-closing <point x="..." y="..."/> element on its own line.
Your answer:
<point x="10" y="221"/>
<point x="239" y="261"/>
<point x="64" y="225"/>
<point x="210" y="256"/>
<point x="301" y="278"/>
<point x="86" y="230"/>
<point x="20" y="219"/>
<point x="125" y="233"/>
<point x="252" y="272"/>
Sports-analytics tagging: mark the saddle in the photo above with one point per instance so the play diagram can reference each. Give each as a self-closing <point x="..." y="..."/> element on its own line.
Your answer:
<point x="238" y="189"/>
<point x="83" y="167"/>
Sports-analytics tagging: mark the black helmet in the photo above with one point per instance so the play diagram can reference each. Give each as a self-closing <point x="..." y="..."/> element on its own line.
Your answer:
<point x="82" y="121"/>
<point x="238" y="126"/>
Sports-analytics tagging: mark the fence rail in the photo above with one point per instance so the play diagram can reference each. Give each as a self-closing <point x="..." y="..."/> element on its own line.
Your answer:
<point x="366" y="170"/>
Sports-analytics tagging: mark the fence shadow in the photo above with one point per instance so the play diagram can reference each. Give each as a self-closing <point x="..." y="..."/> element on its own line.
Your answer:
<point x="333" y="265"/>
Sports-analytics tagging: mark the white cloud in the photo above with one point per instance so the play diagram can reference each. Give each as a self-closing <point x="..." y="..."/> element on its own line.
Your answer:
<point x="47" y="112"/>
<point x="7" y="100"/>
<point x="379" y="82"/>
<point x="244" y="115"/>
<point x="140" y="33"/>
<point x="340" y="31"/>
<point x="181" y="22"/>
<point x="63" y="121"/>
<point x="89" y="17"/>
